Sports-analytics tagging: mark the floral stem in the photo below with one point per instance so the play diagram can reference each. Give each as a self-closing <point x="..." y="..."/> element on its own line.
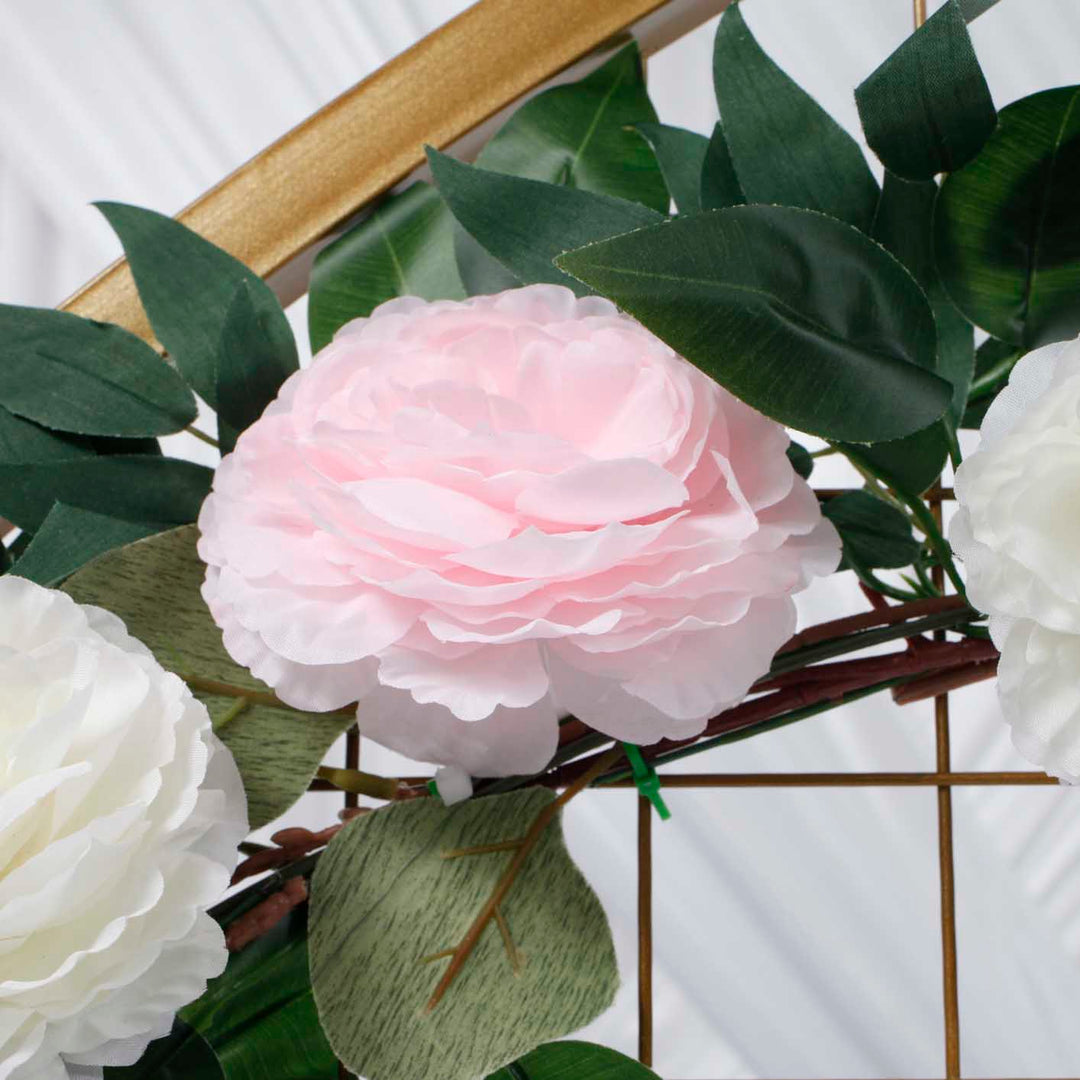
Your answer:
<point x="544" y="818"/>
<point x="252" y="697"/>
<point x="362" y="783"/>
<point x="938" y="542"/>
<point x="202" y="436"/>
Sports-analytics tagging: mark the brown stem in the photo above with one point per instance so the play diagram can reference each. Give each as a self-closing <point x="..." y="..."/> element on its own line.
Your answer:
<point x="941" y="682"/>
<point x="267" y="915"/>
<point x="504" y="884"/>
<point x="887" y="616"/>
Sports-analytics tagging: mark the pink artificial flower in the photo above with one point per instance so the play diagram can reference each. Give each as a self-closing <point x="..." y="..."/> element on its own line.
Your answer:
<point x="476" y="517"/>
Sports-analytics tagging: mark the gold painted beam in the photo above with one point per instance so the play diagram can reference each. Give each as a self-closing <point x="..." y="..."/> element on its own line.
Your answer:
<point x="306" y="184"/>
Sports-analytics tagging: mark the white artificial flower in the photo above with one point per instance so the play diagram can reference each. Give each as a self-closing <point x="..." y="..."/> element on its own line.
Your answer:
<point x="1018" y="533"/>
<point x="120" y="813"/>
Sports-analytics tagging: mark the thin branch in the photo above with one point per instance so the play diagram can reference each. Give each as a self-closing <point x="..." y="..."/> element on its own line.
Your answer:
<point x="202" y="436"/>
<point x="536" y="830"/>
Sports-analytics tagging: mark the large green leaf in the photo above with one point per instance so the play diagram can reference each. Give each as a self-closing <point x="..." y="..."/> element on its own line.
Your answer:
<point x="256" y="1020"/>
<point x="23" y="442"/>
<point x="70" y="538"/>
<point x="581" y="135"/>
<point x="384" y="897"/>
<point x="129" y="486"/>
<point x="1007" y="231"/>
<point x="797" y="314"/>
<point x="572" y="1060"/>
<point x="526" y="223"/>
<point x="681" y="154"/>
<point x="91" y="378"/>
<point x="994" y="361"/>
<point x="873" y="533"/>
<point x="927" y="109"/>
<point x="786" y="148"/>
<point x="186" y="285"/>
<point x="403" y="248"/>
<point x="153" y="585"/>
<point x="720" y="186"/>
<point x="252" y="366"/>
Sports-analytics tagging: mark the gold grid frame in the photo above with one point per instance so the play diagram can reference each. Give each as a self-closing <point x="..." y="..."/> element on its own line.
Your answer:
<point x="278" y="208"/>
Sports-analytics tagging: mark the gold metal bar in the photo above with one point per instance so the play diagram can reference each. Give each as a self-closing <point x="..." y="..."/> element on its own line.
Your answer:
<point x="313" y="179"/>
<point x="645" y="943"/>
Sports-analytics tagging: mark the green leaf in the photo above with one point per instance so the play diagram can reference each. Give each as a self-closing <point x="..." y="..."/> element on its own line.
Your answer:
<point x="183" y="1054"/>
<point x="575" y="1061"/>
<point x="153" y="585"/>
<point x="910" y="464"/>
<point x="23" y="442"/>
<point x="481" y="274"/>
<point x="719" y="184"/>
<point x="255" y="1020"/>
<point x="70" y="538"/>
<point x="681" y="155"/>
<point x="186" y="285"/>
<point x="525" y="223"/>
<point x="90" y="378"/>
<point x="404" y="248"/>
<point x="800" y="459"/>
<point x="927" y="109"/>
<point x="785" y="147"/>
<point x="873" y="533"/>
<point x="1007" y="233"/>
<point x="129" y="486"/>
<point x="581" y="134"/>
<point x="252" y="366"/>
<point x="383" y="898"/>
<point x="994" y="361"/>
<point x="797" y="314"/>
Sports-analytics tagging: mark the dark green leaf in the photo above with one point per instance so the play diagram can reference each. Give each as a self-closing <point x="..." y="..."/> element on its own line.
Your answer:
<point x="994" y="361"/>
<point x="575" y="1061"/>
<point x="785" y="147"/>
<point x="681" y="154"/>
<point x="800" y="459"/>
<point x="404" y="248"/>
<point x="927" y="109"/>
<point x="581" y="135"/>
<point x="526" y="223"/>
<point x="183" y="1054"/>
<point x="70" y="538"/>
<point x="910" y="464"/>
<point x="133" y="487"/>
<point x="153" y="585"/>
<point x="719" y="185"/>
<point x="23" y="443"/>
<point x="972" y="9"/>
<point x="383" y="898"/>
<point x="186" y="285"/>
<point x="481" y="274"/>
<point x="797" y="314"/>
<point x="103" y="444"/>
<point x="1006" y="228"/>
<point x="873" y="533"/>
<point x="90" y="378"/>
<point x="251" y="369"/>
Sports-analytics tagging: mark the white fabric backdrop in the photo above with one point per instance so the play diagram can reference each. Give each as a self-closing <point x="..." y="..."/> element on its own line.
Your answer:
<point x="796" y="931"/>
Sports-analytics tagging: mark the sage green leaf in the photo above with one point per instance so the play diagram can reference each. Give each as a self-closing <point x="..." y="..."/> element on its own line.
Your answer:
<point x="681" y="155"/>
<point x="251" y="369"/>
<point x="800" y="459"/>
<point x="183" y="1054"/>
<point x="186" y="285"/>
<point x="1007" y="234"/>
<point x="799" y="315"/>
<point x="70" y="538"/>
<point x="90" y="378"/>
<point x="926" y="109"/>
<point x="526" y="223"/>
<point x="572" y="1060"/>
<point x="720" y="186"/>
<point x="153" y="585"/>
<point x="873" y="533"/>
<point x="23" y="442"/>
<point x="786" y="148"/>
<point x="581" y="134"/>
<point x="405" y="247"/>
<point x="130" y="486"/>
<point x="383" y="898"/>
